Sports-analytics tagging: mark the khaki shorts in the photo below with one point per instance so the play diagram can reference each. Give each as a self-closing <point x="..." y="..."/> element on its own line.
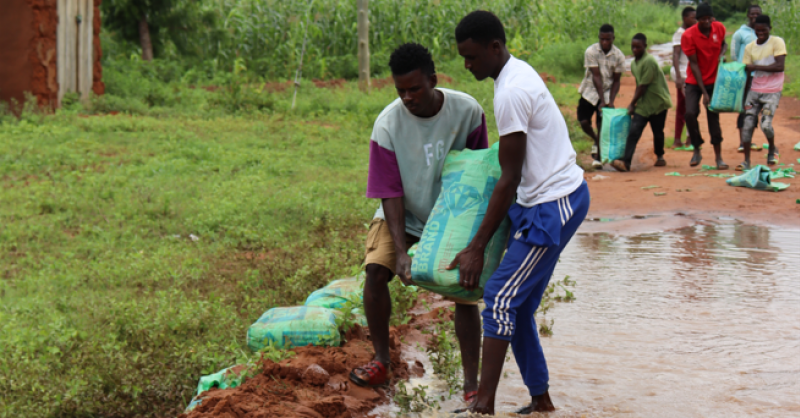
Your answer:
<point x="380" y="250"/>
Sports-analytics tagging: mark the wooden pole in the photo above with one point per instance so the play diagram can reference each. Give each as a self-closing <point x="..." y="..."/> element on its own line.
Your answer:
<point x="363" y="45"/>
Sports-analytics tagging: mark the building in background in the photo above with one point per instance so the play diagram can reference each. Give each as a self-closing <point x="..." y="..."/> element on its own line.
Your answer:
<point x="50" y="48"/>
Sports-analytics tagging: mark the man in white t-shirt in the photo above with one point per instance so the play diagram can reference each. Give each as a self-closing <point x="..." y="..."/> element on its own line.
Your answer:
<point x="681" y="61"/>
<point x="552" y="199"/>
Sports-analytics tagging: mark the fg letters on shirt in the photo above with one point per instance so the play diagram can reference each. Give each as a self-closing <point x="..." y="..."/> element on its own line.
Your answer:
<point x="434" y="150"/>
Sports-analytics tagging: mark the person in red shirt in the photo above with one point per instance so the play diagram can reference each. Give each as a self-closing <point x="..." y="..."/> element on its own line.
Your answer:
<point x="704" y="45"/>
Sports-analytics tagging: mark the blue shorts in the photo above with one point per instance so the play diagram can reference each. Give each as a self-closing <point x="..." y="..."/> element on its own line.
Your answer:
<point x="513" y="293"/>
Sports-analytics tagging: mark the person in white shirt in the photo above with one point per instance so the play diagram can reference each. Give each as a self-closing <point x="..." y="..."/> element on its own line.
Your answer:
<point x="680" y="62"/>
<point x="552" y="199"/>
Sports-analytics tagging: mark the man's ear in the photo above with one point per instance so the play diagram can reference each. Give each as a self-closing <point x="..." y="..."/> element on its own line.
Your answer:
<point x="433" y="79"/>
<point x="497" y="47"/>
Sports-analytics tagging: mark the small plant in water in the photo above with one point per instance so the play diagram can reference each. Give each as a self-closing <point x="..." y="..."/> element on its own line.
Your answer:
<point x="445" y="354"/>
<point x="415" y="401"/>
<point x="552" y="295"/>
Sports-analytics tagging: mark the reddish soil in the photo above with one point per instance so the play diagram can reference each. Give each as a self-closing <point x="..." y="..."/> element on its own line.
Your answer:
<point x="621" y="194"/>
<point x="315" y="383"/>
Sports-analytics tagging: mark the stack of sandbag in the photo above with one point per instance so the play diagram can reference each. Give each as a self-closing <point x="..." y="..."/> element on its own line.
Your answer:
<point x="468" y="180"/>
<point x="614" y="134"/>
<point x="337" y="293"/>
<point x="729" y="88"/>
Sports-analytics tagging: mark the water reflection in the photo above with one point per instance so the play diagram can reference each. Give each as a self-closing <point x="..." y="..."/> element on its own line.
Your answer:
<point x="699" y="322"/>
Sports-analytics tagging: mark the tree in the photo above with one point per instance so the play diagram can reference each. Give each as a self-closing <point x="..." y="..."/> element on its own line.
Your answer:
<point x="150" y="23"/>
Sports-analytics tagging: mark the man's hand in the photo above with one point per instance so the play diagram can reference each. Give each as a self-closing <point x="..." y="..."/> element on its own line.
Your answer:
<point x="610" y="104"/>
<point x="749" y="68"/>
<point x="602" y="104"/>
<point x="470" y="261"/>
<point x="631" y="109"/>
<point x="706" y="99"/>
<point x="679" y="84"/>
<point x="403" y="268"/>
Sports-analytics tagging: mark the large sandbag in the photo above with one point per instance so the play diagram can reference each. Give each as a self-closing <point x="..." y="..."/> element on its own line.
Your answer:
<point x="729" y="88"/>
<point x="296" y="326"/>
<point x="336" y="293"/>
<point x="614" y="133"/>
<point x="468" y="179"/>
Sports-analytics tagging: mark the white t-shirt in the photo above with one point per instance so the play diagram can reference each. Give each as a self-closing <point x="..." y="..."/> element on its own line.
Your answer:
<point x="522" y="103"/>
<point x="684" y="60"/>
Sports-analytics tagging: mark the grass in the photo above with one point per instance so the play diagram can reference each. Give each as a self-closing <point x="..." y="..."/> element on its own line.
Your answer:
<point x="136" y="248"/>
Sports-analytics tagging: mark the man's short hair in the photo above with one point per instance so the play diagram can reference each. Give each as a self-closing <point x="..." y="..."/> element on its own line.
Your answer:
<point x="763" y="20"/>
<point x="606" y="28"/>
<point x="640" y="37"/>
<point x="703" y="10"/>
<point x="409" y="57"/>
<point x="482" y="27"/>
<point x="752" y="6"/>
<point x="686" y="11"/>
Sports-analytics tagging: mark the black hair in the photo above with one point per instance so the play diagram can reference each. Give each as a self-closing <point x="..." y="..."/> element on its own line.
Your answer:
<point x="482" y="27"/>
<point x="606" y="28"/>
<point x="704" y="9"/>
<point x="687" y="10"/>
<point x="753" y="6"/>
<point x="763" y="20"/>
<point x="640" y="37"/>
<point x="409" y="57"/>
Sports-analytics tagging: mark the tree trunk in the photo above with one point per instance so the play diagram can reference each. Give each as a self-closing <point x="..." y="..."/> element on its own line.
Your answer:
<point x="144" y="39"/>
<point x="363" y="45"/>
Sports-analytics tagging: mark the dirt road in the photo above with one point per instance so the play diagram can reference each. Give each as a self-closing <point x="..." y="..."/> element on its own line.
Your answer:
<point x="621" y="195"/>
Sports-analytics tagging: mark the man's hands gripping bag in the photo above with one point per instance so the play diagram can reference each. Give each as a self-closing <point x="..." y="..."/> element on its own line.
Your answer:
<point x="729" y="88"/>
<point x="468" y="179"/>
<point x="297" y="326"/>
<point x="614" y="133"/>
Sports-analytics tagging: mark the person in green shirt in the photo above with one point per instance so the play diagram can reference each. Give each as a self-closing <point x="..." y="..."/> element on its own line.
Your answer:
<point x="650" y="104"/>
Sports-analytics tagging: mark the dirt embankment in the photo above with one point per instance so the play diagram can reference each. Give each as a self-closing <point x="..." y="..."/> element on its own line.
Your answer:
<point x="315" y="382"/>
<point x="617" y="195"/>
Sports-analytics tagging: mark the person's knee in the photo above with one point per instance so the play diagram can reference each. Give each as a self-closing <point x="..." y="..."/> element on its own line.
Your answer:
<point x="586" y="124"/>
<point x="766" y="127"/>
<point x="378" y="275"/>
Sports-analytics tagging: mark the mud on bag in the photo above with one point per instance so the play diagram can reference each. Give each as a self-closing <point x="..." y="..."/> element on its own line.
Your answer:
<point x="296" y="326"/>
<point x="468" y="179"/>
<point x="614" y="134"/>
<point x="729" y="88"/>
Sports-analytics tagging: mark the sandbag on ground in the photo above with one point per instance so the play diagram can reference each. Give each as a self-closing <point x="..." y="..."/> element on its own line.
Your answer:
<point x="757" y="178"/>
<point x="336" y="293"/>
<point x="614" y="134"/>
<point x="729" y="88"/>
<point x="468" y="179"/>
<point x="296" y="326"/>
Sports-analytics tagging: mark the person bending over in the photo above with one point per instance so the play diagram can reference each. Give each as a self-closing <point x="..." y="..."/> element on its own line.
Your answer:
<point x="650" y="104"/>
<point x="541" y="189"/>
<point x="604" y="64"/>
<point x="765" y="57"/>
<point x="410" y="140"/>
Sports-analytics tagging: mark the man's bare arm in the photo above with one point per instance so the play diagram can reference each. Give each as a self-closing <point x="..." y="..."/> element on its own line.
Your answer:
<point x="395" y="213"/>
<point x="597" y="80"/>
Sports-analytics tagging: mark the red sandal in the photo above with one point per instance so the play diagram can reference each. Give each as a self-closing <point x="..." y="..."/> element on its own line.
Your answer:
<point x="470" y="396"/>
<point x="374" y="370"/>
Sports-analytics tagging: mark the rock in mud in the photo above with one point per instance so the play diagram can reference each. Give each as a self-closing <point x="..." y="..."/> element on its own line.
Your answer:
<point x="315" y="375"/>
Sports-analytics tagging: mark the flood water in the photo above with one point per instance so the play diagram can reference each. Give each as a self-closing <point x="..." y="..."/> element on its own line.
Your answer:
<point x="699" y="322"/>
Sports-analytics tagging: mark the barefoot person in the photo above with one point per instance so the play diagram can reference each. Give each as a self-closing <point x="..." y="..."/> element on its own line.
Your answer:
<point x="604" y="64"/>
<point x="741" y="38"/>
<point x="552" y="199"/>
<point x="765" y="57"/>
<point x="650" y="104"/>
<point x="678" y="73"/>
<point x="410" y="140"/>
<point x="704" y="44"/>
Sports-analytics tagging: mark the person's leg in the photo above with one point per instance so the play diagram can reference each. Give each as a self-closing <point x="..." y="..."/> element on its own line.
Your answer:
<point x="769" y="103"/>
<point x="715" y="131"/>
<point x="520" y="280"/>
<point x="468" y="325"/>
<point x="378" y="309"/>
<point x="657" y="123"/>
<point x="693" y="97"/>
<point x="740" y="119"/>
<point x="585" y="112"/>
<point x="638" y="123"/>
<point x="679" y="122"/>
<point x="751" y="111"/>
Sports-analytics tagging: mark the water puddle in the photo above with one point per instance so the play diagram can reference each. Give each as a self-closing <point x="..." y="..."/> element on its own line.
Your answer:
<point x="703" y="321"/>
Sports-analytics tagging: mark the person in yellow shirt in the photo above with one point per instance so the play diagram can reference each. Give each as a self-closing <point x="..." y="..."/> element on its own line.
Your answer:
<point x="764" y="58"/>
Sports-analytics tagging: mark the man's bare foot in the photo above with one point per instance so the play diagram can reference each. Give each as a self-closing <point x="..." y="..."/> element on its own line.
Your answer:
<point x="539" y="403"/>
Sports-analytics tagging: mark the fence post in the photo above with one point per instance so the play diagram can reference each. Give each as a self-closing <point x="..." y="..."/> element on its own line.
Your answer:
<point x="363" y="45"/>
